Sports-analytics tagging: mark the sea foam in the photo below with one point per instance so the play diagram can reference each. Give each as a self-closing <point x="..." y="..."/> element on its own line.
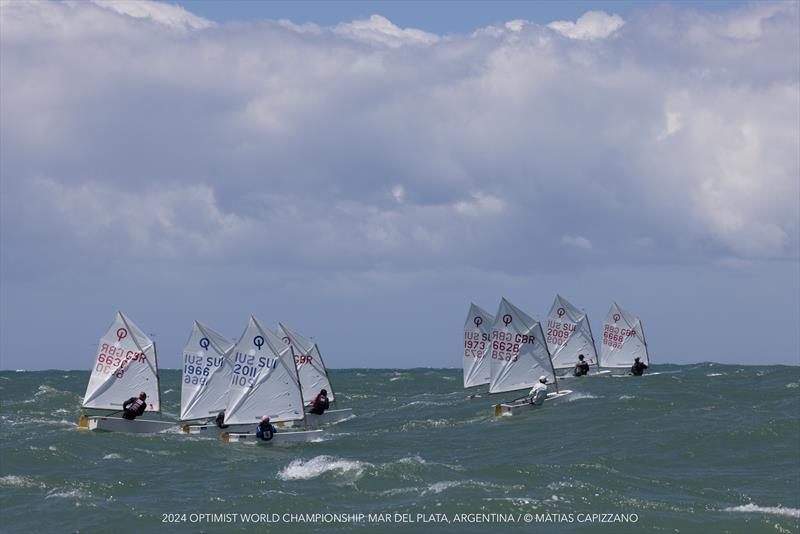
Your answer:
<point x="319" y="465"/>
<point x="753" y="508"/>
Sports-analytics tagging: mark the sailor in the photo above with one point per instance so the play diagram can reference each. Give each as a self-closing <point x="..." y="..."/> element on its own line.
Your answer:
<point x="582" y="367"/>
<point x="539" y="391"/>
<point x="133" y="407"/>
<point x="265" y="430"/>
<point x="320" y="403"/>
<point x="220" y="420"/>
<point x="637" y="369"/>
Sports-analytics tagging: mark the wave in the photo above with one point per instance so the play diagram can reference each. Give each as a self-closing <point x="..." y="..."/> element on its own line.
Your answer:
<point x="319" y="465"/>
<point x="20" y="482"/>
<point x="578" y="396"/>
<point x="63" y="494"/>
<point x="753" y="508"/>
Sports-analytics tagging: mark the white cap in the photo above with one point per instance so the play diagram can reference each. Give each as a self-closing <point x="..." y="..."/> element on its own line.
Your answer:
<point x="543" y="378"/>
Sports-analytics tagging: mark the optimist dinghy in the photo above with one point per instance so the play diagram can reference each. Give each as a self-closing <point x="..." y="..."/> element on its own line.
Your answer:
<point x="313" y="377"/>
<point x="623" y="340"/>
<point x="126" y="364"/>
<point x="568" y="336"/>
<point x="519" y="357"/>
<point x="477" y="348"/>
<point x="265" y="381"/>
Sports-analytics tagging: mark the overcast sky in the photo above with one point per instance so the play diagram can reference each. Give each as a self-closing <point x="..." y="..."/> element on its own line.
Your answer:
<point x="363" y="179"/>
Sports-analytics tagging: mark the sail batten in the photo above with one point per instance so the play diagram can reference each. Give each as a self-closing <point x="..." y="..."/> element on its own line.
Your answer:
<point x="477" y="346"/>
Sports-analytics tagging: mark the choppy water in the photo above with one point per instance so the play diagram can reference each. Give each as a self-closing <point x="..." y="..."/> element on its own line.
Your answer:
<point x="699" y="448"/>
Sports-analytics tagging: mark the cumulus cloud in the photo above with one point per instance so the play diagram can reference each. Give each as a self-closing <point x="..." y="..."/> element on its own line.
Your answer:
<point x="170" y="15"/>
<point x="591" y="25"/>
<point x="371" y="147"/>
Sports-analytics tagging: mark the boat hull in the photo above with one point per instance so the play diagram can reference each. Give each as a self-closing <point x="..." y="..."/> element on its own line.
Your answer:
<point x="118" y="424"/>
<point x="278" y="438"/>
<point x="522" y="405"/>
<point x="212" y="430"/>
<point x="330" y="417"/>
<point x="591" y="373"/>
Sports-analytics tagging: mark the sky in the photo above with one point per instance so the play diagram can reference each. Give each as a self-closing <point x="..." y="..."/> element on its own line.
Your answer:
<point x="362" y="171"/>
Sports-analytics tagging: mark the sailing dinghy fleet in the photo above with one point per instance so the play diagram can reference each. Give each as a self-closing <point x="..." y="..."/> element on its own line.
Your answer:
<point x="258" y="375"/>
<point x="510" y="350"/>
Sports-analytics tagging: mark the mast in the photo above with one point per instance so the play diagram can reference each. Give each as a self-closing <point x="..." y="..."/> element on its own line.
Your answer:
<point x="594" y="344"/>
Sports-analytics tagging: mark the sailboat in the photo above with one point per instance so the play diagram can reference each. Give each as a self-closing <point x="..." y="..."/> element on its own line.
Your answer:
<point x="264" y="382"/>
<point x="206" y="380"/>
<point x="569" y="335"/>
<point x="519" y="358"/>
<point x="623" y="340"/>
<point x="313" y="376"/>
<point x="125" y="365"/>
<point x="477" y="347"/>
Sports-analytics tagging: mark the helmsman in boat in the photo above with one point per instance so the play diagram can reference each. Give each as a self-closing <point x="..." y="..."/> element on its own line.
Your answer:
<point x="265" y="430"/>
<point x="320" y="403"/>
<point x="582" y="367"/>
<point x="539" y="391"/>
<point x="637" y="369"/>
<point x="133" y="407"/>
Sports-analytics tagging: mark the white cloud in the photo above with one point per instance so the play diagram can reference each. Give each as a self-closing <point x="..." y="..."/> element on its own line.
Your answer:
<point x="378" y="29"/>
<point x="577" y="241"/>
<point x="167" y="14"/>
<point x="369" y="146"/>
<point x="591" y="25"/>
<point x="399" y="193"/>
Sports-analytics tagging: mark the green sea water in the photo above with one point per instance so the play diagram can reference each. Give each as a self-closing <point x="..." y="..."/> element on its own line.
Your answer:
<point x="696" y="448"/>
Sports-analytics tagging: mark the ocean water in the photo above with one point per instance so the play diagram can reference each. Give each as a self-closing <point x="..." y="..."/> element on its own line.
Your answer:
<point x="697" y="448"/>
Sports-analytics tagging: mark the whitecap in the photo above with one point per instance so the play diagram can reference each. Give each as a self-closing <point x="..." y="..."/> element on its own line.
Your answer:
<point x="20" y="482"/>
<point x="777" y="510"/>
<point x="578" y="396"/>
<point x="319" y="465"/>
<point x="168" y="391"/>
<point x="61" y="494"/>
<point x="112" y="456"/>
<point x="715" y="374"/>
<point x="793" y="385"/>
<point x="626" y="397"/>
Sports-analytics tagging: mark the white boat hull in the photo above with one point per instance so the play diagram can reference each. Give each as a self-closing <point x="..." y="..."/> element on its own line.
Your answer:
<point x="524" y="404"/>
<point x="212" y="430"/>
<point x="591" y="373"/>
<point x="118" y="424"/>
<point x="330" y="417"/>
<point x="278" y="438"/>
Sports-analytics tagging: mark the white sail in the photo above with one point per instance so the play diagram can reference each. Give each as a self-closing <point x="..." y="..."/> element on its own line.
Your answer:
<point x="125" y="365"/>
<point x="519" y="351"/>
<point x="568" y="335"/>
<point x="310" y="366"/>
<point x="623" y="339"/>
<point x="477" y="346"/>
<point x="207" y="371"/>
<point x="263" y="381"/>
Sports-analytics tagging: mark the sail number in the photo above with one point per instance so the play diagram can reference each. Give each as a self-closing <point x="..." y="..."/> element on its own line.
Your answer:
<point x="196" y="368"/>
<point x="614" y="336"/>
<point x="558" y="332"/>
<point x="246" y="367"/>
<point x="475" y="344"/>
<point x="113" y="359"/>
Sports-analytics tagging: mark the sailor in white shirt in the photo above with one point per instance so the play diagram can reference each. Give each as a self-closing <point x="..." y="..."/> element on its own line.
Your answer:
<point x="539" y="391"/>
